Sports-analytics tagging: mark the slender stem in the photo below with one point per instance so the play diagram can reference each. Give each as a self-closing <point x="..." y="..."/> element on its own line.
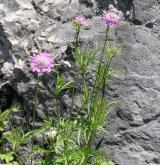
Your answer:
<point x="100" y="62"/>
<point x="96" y="87"/>
<point x="75" y="44"/>
<point x="105" y="41"/>
<point x="35" y="102"/>
<point x="85" y="87"/>
<point x="94" y="130"/>
<point x="77" y="36"/>
<point x="58" y="109"/>
<point x="105" y="76"/>
<point x="16" y="155"/>
<point x="34" y="112"/>
<point x="90" y="139"/>
<point x="74" y="79"/>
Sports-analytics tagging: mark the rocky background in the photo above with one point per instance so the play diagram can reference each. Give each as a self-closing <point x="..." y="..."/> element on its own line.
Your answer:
<point x="26" y="26"/>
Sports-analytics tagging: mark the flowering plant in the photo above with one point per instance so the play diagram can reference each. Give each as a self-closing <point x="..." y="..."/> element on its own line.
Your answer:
<point x="68" y="140"/>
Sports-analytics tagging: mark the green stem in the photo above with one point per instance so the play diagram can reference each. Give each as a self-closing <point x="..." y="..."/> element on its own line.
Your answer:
<point x="77" y="36"/>
<point x="75" y="44"/>
<point x="104" y="44"/>
<point x="94" y="129"/>
<point x="90" y="139"/>
<point x="105" y="76"/>
<point x="85" y="87"/>
<point x="100" y="63"/>
<point x="58" y="109"/>
<point x="16" y="155"/>
<point x="34" y="112"/>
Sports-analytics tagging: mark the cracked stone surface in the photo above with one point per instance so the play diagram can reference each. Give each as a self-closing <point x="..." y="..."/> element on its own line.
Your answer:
<point x="26" y="26"/>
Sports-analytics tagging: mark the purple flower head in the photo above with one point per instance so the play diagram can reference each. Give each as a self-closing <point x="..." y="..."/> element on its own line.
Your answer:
<point x="41" y="63"/>
<point x="80" y="21"/>
<point x="111" y="19"/>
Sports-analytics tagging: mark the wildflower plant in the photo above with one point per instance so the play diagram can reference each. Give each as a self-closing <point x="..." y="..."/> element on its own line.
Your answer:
<point x="68" y="140"/>
<point x="79" y="23"/>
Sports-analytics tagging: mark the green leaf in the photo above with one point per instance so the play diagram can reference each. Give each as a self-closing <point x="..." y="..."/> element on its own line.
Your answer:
<point x="17" y="136"/>
<point x="4" y="116"/>
<point x="62" y="85"/>
<point x="48" y="123"/>
<point x="7" y="157"/>
<point x="84" y="58"/>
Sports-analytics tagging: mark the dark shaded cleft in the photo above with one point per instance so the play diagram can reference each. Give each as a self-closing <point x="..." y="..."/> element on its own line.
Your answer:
<point x="87" y="3"/>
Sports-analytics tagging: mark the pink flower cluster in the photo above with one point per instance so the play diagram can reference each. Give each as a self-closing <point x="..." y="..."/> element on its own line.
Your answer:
<point x="41" y="63"/>
<point x="111" y="19"/>
<point x="80" y="21"/>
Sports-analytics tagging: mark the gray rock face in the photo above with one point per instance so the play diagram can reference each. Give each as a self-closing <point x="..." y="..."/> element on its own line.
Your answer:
<point x="26" y="26"/>
<point x="146" y="10"/>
